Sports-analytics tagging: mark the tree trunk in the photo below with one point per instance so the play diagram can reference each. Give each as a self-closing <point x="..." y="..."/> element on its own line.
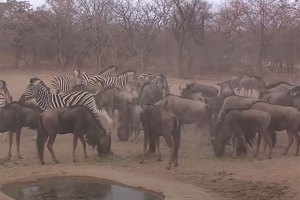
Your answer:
<point x="17" y="58"/>
<point x="180" y="59"/>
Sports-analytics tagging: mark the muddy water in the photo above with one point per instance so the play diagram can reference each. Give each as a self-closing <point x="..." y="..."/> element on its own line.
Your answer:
<point x="72" y="188"/>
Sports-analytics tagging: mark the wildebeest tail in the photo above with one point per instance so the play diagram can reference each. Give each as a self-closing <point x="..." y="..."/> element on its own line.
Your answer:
<point x="176" y="132"/>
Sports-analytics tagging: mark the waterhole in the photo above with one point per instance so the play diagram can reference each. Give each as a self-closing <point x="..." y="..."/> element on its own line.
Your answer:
<point x="67" y="188"/>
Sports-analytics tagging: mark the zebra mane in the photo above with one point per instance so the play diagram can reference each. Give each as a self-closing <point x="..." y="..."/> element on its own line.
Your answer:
<point x="125" y="72"/>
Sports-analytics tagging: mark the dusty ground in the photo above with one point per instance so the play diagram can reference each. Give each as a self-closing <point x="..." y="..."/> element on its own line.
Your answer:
<point x="199" y="171"/>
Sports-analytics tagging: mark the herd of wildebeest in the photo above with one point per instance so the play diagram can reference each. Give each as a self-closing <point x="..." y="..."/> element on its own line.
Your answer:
<point x="88" y="105"/>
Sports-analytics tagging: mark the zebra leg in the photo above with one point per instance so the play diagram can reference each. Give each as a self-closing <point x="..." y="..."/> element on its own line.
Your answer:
<point x="84" y="147"/>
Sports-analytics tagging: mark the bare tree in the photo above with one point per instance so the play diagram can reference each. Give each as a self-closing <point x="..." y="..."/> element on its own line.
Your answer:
<point x="58" y="16"/>
<point x="96" y="17"/>
<point x="16" y="25"/>
<point x="141" y="22"/>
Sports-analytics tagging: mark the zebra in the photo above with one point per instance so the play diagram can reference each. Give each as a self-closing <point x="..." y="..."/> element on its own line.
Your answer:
<point x="107" y="72"/>
<point x="147" y="78"/>
<point x="5" y="98"/>
<point x="63" y="84"/>
<point x="120" y="81"/>
<point x="46" y="100"/>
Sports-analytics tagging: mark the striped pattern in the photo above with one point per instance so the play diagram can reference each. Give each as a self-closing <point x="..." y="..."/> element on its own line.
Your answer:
<point x="108" y="72"/>
<point x="121" y="81"/>
<point x="5" y="97"/>
<point x="46" y="100"/>
<point x="63" y="84"/>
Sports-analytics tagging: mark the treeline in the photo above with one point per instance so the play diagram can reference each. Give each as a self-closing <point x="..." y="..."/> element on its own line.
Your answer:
<point x="188" y="37"/>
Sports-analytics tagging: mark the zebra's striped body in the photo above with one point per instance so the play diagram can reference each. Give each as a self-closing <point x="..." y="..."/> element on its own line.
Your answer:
<point x="46" y="100"/>
<point x="121" y="81"/>
<point x="108" y="72"/>
<point x="63" y="84"/>
<point x="5" y="97"/>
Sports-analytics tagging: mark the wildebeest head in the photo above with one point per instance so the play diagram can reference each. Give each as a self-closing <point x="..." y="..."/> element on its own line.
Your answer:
<point x="104" y="144"/>
<point x="216" y="136"/>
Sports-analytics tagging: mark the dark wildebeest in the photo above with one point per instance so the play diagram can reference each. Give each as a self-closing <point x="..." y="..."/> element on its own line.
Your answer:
<point x="206" y="90"/>
<point x="14" y="117"/>
<point x="250" y="83"/>
<point x="282" y="118"/>
<point x="226" y="89"/>
<point x="243" y="125"/>
<point x="77" y="120"/>
<point x="112" y="99"/>
<point x="150" y="94"/>
<point x="157" y="122"/>
<point x="188" y="111"/>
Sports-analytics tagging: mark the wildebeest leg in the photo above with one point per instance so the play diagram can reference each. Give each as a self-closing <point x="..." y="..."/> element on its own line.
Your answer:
<point x="157" y="148"/>
<point x="137" y="133"/>
<point x="176" y="157"/>
<point x="18" y="138"/>
<point x="257" y="145"/>
<point x="84" y="147"/>
<point x="145" y="147"/>
<point x="234" y="146"/>
<point x="270" y="143"/>
<point x="75" y="139"/>
<point x="170" y="143"/>
<point x="244" y="142"/>
<point x="10" y="140"/>
<point x="50" y="147"/>
<point x="296" y="136"/>
<point x="291" y="139"/>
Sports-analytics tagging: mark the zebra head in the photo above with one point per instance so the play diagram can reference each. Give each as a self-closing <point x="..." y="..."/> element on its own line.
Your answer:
<point x="4" y="91"/>
<point x="32" y="89"/>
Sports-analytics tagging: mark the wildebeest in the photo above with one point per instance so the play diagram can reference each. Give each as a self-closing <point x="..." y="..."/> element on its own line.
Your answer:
<point x="113" y="99"/>
<point x="14" y="117"/>
<point x="225" y="89"/>
<point x="188" y="111"/>
<point x="282" y="118"/>
<point x="157" y="122"/>
<point x="150" y="93"/>
<point x="77" y="120"/>
<point x="243" y="125"/>
<point x="235" y="102"/>
<point x="206" y="90"/>
<point x="250" y="83"/>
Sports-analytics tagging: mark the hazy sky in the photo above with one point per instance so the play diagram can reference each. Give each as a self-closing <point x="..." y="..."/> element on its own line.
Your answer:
<point x="36" y="3"/>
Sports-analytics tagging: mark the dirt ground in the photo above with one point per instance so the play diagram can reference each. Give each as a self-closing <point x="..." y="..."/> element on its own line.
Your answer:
<point x="199" y="171"/>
